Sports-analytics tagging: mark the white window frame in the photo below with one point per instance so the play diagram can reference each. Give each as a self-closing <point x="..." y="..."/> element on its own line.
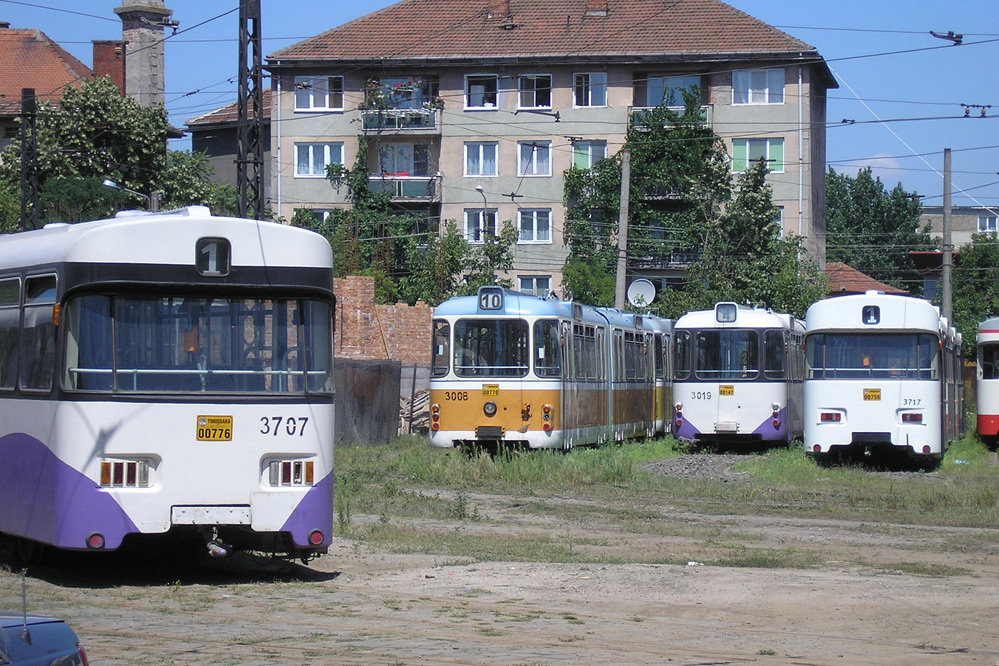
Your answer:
<point x="531" y="217"/>
<point x="758" y="86"/>
<point x="485" y="106"/>
<point x="329" y="147"/>
<point x="532" y="282"/>
<point x="478" y="148"/>
<point x="527" y="85"/>
<point x="769" y="144"/>
<point x="319" y="86"/>
<point x="476" y="228"/>
<point x="988" y="223"/>
<point x="534" y="158"/>
<point x="586" y="149"/>
<point x="590" y="86"/>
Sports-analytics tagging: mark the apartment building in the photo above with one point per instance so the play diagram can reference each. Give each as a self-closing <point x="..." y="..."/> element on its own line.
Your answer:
<point x="473" y="109"/>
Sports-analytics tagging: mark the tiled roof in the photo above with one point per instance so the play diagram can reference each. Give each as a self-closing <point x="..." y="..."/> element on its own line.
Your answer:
<point x="565" y="29"/>
<point x="29" y="59"/>
<point x="229" y="113"/>
<point x="844" y="279"/>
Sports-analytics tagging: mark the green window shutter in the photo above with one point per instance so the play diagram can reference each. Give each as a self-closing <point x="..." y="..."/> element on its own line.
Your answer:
<point x="740" y="153"/>
<point x="777" y="155"/>
<point x="580" y="156"/>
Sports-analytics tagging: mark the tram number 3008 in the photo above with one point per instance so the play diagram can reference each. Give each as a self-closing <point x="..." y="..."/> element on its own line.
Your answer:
<point x="458" y="396"/>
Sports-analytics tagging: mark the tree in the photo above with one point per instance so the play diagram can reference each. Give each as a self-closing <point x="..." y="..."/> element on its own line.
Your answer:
<point x="679" y="179"/>
<point x="682" y="203"/>
<point x="94" y="133"/>
<point x="873" y="230"/>
<point x="436" y="269"/>
<point x="975" y="288"/>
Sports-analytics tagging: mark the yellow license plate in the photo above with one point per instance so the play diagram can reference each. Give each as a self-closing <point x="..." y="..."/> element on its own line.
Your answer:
<point x="872" y="394"/>
<point x="490" y="389"/>
<point x="214" y="429"/>
<point x="726" y="389"/>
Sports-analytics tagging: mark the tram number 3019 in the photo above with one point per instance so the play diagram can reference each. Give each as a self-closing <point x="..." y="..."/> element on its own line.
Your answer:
<point x="700" y="395"/>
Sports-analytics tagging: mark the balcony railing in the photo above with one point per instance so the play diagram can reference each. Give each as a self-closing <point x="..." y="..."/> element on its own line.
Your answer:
<point x="406" y="188"/>
<point x="673" y="260"/>
<point x="399" y="120"/>
<point x="639" y="115"/>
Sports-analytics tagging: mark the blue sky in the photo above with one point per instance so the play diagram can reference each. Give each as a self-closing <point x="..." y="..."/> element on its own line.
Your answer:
<point x="902" y="88"/>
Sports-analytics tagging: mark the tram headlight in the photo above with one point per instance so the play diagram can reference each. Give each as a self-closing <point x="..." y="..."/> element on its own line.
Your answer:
<point x="775" y="408"/>
<point x="489" y="409"/>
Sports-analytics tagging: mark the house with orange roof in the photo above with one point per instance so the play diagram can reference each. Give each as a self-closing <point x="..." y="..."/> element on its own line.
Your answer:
<point x="473" y="109"/>
<point x="844" y="280"/>
<point x="32" y="60"/>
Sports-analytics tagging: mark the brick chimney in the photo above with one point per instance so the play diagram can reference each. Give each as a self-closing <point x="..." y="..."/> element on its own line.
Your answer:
<point x="142" y="23"/>
<point x="109" y="60"/>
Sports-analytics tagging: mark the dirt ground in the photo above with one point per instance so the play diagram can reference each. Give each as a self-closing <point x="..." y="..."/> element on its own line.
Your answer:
<point x="878" y="594"/>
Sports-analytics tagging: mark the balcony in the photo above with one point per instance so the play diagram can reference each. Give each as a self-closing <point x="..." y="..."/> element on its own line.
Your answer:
<point x="677" y="259"/>
<point x="637" y="115"/>
<point x="400" y="120"/>
<point x="406" y="188"/>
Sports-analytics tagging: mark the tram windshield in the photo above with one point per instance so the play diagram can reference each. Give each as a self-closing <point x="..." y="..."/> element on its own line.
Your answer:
<point x="491" y="348"/>
<point x="176" y="344"/>
<point x="988" y="360"/>
<point x="726" y="354"/>
<point x="876" y="356"/>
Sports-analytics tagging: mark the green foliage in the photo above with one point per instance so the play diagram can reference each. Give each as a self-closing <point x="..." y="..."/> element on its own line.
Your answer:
<point x="435" y="269"/>
<point x="873" y="230"/>
<point x="976" y="288"/>
<point x="10" y="209"/>
<point x="486" y="260"/>
<point x="681" y="202"/>
<point x="94" y="133"/>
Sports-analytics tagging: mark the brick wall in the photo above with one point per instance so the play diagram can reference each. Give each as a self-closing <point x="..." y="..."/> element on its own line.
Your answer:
<point x="365" y="330"/>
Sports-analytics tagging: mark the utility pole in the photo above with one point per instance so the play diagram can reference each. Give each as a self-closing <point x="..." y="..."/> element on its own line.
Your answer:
<point x="250" y="129"/>
<point x="620" y="284"/>
<point x="29" y="160"/>
<point x="948" y="248"/>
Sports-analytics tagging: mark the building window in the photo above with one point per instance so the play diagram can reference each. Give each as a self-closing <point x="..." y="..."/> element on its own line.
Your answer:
<point x="478" y="223"/>
<point x="408" y="93"/>
<point x="591" y="89"/>
<point x="586" y="153"/>
<point x="758" y="86"/>
<point x="535" y="91"/>
<point x="539" y="285"/>
<point x="987" y="224"/>
<point x="746" y="152"/>
<point x="403" y="160"/>
<point x="535" y="226"/>
<point x="480" y="158"/>
<point x="319" y="93"/>
<point x="481" y="91"/>
<point x="311" y="159"/>
<point x="535" y="158"/>
<point x="669" y="90"/>
<point x="320" y="215"/>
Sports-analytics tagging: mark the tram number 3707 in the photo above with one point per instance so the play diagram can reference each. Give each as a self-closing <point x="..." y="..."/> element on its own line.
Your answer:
<point x="288" y="425"/>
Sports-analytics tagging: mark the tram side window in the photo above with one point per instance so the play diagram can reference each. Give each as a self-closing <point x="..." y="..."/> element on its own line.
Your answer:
<point x="38" y="341"/>
<point x="442" y="347"/>
<point x="988" y="358"/>
<point x="547" y="361"/>
<point x="10" y="325"/>
<point x="773" y="351"/>
<point x="681" y="366"/>
<point x="88" y="344"/>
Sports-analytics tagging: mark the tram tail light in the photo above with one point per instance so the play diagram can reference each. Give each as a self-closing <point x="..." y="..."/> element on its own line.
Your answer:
<point x="678" y="414"/>
<point x="830" y="417"/>
<point x="435" y="417"/>
<point x="124" y="474"/>
<point x="546" y="414"/>
<point x="912" y="417"/>
<point x="292" y="473"/>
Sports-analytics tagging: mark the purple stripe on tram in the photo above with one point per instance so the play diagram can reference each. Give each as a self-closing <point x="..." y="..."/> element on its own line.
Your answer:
<point x="314" y="512"/>
<point x="44" y="499"/>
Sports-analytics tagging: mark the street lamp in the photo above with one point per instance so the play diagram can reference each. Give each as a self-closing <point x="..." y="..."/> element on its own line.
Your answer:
<point x="152" y="203"/>
<point x="485" y="210"/>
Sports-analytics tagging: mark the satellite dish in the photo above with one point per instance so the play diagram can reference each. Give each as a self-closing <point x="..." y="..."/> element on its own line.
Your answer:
<point x="641" y="292"/>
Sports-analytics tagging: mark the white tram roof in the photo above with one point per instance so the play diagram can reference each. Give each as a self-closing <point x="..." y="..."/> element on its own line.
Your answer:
<point x="989" y="327"/>
<point x="166" y="238"/>
<point x="745" y="317"/>
<point x="517" y="304"/>
<point x="894" y="312"/>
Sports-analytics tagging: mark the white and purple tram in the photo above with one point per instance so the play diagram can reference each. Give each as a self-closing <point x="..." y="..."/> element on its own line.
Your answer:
<point x="737" y="377"/>
<point x="167" y="374"/>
